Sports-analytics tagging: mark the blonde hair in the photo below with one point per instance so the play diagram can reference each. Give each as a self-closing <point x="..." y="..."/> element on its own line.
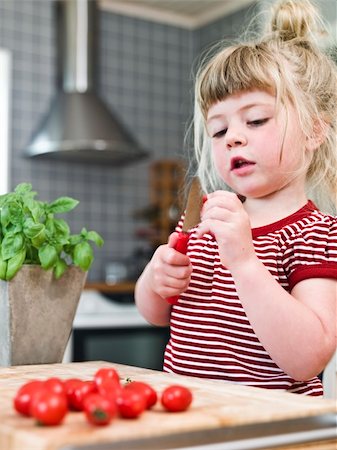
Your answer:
<point x="287" y="61"/>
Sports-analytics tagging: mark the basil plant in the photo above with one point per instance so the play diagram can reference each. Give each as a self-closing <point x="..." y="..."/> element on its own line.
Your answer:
<point x="31" y="234"/>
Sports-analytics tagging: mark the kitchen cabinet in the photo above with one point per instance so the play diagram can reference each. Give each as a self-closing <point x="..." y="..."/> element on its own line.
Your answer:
<point x="108" y="326"/>
<point x="222" y="416"/>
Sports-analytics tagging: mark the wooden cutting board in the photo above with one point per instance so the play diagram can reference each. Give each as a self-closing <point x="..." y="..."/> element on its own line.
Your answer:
<point x="216" y="404"/>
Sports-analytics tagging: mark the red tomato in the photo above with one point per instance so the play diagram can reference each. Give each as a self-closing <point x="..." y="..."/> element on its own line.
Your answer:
<point x="23" y="397"/>
<point x="55" y="384"/>
<point x="131" y="403"/>
<point x="49" y="408"/>
<point x="80" y="391"/>
<point x="110" y="389"/>
<point x="145" y="389"/>
<point x="69" y="386"/>
<point x="99" y="410"/>
<point x="104" y="373"/>
<point x="176" y="398"/>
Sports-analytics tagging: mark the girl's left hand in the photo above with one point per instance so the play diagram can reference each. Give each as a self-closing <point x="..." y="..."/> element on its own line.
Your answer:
<point x="224" y="216"/>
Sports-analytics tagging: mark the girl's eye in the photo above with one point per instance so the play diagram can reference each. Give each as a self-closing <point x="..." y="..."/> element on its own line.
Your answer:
<point x="220" y="133"/>
<point x="258" y="122"/>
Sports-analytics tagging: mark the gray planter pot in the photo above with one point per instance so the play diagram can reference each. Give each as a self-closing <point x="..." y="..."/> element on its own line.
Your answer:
<point x="36" y="315"/>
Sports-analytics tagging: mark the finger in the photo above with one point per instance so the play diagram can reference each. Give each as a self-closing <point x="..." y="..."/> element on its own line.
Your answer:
<point x="212" y="227"/>
<point x="173" y="239"/>
<point x="218" y="212"/>
<point x="176" y="283"/>
<point x="203" y="228"/>
<point x="175" y="258"/>
<point x="228" y="200"/>
<point x="179" y="273"/>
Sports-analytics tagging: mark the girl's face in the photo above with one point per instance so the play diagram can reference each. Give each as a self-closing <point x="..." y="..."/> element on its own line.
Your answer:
<point x="258" y="151"/>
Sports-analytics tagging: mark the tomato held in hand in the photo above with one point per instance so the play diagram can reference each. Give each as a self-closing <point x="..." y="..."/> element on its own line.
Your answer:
<point x="131" y="403"/>
<point x="49" y="408"/>
<point x="146" y="390"/>
<point x="23" y="397"/>
<point x="176" y="398"/>
<point x="99" y="410"/>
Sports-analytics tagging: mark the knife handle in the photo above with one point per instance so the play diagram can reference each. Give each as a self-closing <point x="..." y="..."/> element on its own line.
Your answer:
<point x="181" y="247"/>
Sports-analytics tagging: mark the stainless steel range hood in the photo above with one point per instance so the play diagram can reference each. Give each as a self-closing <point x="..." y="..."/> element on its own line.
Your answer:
<point x="79" y="127"/>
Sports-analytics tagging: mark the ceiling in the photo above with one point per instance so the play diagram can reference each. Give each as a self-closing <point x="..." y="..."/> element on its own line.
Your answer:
<point x="185" y="13"/>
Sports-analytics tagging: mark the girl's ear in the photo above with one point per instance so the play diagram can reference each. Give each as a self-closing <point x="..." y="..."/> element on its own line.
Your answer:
<point x="318" y="135"/>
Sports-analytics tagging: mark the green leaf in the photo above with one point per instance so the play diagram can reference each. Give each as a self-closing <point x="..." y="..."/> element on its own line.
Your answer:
<point x="3" y="269"/>
<point x="31" y="229"/>
<point x="62" y="205"/>
<point x="15" y="263"/>
<point x="48" y="256"/>
<point x="61" y="228"/>
<point x="14" y="228"/>
<point x="11" y="213"/>
<point x="60" y="268"/>
<point x="34" y="207"/>
<point x="95" y="237"/>
<point x="39" y="239"/>
<point x="3" y="199"/>
<point x="6" y="198"/>
<point x="50" y="226"/>
<point x="5" y="215"/>
<point x="75" y="239"/>
<point x="22" y="188"/>
<point x="83" y="255"/>
<point x="11" y="244"/>
<point x="32" y="256"/>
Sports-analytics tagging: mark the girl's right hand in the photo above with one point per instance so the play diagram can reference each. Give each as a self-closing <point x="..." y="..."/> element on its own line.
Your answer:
<point x="170" y="269"/>
<point x="224" y="216"/>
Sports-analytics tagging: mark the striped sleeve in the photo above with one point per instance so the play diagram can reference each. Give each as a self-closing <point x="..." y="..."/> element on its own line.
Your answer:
<point x="312" y="252"/>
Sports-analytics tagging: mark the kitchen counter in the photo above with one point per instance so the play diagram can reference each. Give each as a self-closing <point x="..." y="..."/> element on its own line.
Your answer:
<point x="237" y="416"/>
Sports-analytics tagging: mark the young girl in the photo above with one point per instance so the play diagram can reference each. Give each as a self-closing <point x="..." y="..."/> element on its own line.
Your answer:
<point x="257" y="288"/>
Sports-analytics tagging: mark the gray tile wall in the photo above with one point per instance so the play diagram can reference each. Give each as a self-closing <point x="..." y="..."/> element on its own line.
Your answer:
<point x="144" y="76"/>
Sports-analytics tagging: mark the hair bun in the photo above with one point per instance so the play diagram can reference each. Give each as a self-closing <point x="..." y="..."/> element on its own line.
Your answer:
<point x="295" y="19"/>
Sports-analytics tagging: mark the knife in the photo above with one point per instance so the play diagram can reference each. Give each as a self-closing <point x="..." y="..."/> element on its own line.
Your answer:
<point x="194" y="203"/>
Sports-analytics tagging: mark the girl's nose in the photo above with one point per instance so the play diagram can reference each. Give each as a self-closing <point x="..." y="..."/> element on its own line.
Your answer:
<point x="235" y="138"/>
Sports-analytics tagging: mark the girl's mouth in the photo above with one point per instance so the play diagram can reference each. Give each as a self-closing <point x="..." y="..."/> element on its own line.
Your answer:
<point x="239" y="163"/>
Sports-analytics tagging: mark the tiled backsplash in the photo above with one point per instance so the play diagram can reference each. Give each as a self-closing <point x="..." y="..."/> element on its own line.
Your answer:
<point x="144" y="76"/>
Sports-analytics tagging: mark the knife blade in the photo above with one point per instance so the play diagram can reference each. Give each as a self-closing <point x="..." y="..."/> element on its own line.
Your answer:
<point x="191" y="219"/>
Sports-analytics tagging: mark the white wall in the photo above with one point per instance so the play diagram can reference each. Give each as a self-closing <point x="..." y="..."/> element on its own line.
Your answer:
<point x="5" y="90"/>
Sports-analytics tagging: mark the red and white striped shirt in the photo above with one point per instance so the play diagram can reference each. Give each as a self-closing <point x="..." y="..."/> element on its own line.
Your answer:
<point x="211" y="336"/>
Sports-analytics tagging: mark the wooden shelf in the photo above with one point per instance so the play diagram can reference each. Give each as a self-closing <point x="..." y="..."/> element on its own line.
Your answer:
<point x="125" y="287"/>
<point x="166" y="184"/>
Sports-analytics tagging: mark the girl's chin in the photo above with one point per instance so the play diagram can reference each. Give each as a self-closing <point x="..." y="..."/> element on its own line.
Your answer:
<point x="254" y="190"/>
<point x="254" y="195"/>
